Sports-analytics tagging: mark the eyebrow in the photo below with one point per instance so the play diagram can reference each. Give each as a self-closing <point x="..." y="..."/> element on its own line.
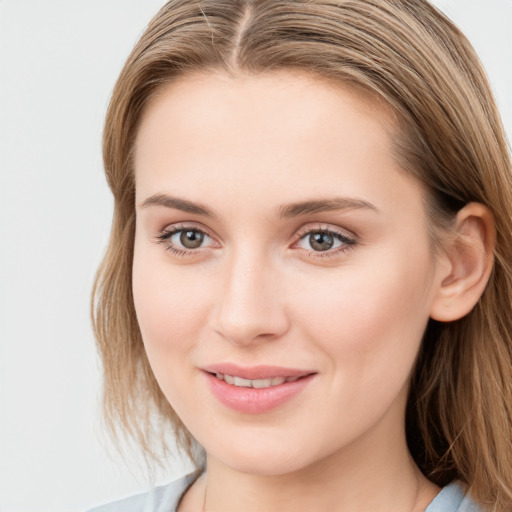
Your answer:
<point x="324" y="205"/>
<point x="285" y="211"/>
<point x="178" y="204"/>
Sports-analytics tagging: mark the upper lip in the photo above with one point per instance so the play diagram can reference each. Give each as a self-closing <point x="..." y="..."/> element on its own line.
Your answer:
<point x="255" y="372"/>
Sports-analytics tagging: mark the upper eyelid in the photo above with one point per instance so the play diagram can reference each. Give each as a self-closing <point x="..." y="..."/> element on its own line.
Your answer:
<point x="167" y="233"/>
<point x="303" y="230"/>
<point x="326" y="228"/>
<point x="183" y="226"/>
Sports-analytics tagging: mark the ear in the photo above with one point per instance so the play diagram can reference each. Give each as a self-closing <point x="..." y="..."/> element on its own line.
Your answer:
<point x="469" y="258"/>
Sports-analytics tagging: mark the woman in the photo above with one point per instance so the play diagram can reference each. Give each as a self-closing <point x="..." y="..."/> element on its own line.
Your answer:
<point x="309" y="271"/>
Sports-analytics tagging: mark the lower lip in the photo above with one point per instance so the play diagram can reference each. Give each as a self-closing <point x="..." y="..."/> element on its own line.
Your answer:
<point x="253" y="400"/>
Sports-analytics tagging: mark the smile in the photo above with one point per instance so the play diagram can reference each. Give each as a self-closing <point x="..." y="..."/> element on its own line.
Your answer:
<point x="256" y="390"/>
<point x="254" y="383"/>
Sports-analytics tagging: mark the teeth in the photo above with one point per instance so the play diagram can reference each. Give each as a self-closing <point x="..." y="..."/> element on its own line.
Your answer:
<point x="262" y="383"/>
<point x="278" y="380"/>
<point x="255" y="383"/>
<point x="238" y="381"/>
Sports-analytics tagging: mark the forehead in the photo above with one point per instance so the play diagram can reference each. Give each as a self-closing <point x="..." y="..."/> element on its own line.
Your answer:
<point x="273" y="133"/>
<point x="288" y="102"/>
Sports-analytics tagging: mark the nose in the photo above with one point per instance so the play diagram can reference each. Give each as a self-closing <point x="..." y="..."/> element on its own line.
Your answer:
<point x="251" y="302"/>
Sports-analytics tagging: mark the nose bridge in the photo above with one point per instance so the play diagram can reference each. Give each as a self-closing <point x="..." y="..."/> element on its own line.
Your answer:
<point x="250" y="306"/>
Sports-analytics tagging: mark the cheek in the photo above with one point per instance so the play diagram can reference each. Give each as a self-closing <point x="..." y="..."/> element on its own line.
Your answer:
<point x="171" y="312"/>
<point x="370" y="318"/>
<point x="170" y="304"/>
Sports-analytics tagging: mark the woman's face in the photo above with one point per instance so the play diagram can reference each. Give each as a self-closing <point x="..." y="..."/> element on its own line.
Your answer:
<point x="279" y="246"/>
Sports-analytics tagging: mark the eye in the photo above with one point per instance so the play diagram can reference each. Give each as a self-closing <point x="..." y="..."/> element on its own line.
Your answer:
<point x="324" y="241"/>
<point x="184" y="240"/>
<point x="190" y="239"/>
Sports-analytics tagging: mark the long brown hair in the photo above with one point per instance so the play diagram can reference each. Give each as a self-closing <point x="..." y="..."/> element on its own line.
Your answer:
<point x="410" y="56"/>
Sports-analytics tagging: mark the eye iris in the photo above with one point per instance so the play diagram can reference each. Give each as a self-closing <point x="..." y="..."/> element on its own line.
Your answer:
<point x="191" y="239"/>
<point x="321" y="241"/>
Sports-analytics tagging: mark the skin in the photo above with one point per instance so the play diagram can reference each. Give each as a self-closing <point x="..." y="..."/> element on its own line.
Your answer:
<point x="256" y="292"/>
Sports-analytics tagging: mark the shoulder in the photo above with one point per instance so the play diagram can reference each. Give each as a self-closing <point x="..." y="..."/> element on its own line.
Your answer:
<point x="164" y="498"/>
<point x="453" y="498"/>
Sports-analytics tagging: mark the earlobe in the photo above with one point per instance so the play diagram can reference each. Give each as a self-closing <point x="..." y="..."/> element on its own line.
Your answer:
<point x="469" y="255"/>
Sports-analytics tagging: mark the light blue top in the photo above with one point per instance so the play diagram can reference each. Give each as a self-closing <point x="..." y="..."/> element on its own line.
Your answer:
<point x="166" y="498"/>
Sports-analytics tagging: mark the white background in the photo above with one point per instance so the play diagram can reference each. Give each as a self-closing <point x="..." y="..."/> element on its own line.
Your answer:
<point x="58" y="63"/>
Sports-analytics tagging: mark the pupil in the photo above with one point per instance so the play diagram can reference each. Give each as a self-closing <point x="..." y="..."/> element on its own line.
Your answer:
<point x="321" y="241"/>
<point x="191" y="239"/>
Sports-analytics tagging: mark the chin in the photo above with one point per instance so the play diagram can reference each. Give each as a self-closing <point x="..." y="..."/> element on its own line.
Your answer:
<point x="262" y="458"/>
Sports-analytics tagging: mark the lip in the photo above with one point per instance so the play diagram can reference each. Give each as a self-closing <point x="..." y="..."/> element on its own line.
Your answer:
<point x="253" y="400"/>
<point x="256" y="372"/>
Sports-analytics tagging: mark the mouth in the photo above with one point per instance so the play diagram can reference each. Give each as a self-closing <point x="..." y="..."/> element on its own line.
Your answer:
<point x="255" y="383"/>
<point x="258" y="377"/>
<point x="256" y="389"/>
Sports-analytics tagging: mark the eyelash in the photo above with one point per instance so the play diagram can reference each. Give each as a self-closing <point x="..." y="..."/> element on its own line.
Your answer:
<point x="165" y="236"/>
<point x="347" y="242"/>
